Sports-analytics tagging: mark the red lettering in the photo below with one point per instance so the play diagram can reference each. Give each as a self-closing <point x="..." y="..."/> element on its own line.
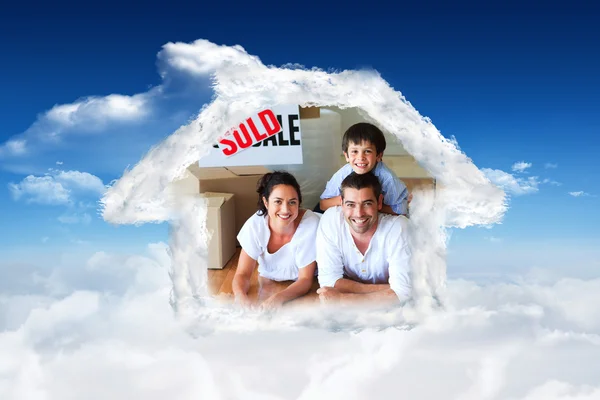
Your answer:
<point x="258" y="136"/>
<point x="243" y="143"/>
<point x="232" y="147"/>
<point x="268" y="119"/>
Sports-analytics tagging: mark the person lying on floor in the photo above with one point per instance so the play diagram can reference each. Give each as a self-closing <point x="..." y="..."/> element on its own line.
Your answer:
<point x="362" y="253"/>
<point x="280" y="238"/>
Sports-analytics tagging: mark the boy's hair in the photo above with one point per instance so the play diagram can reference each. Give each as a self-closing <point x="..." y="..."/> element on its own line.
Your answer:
<point x="361" y="181"/>
<point x="364" y="132"/>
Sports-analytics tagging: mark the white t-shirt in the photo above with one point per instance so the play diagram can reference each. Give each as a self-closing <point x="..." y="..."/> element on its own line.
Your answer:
<point x="283" y="265"/>
<point x="387" y="259"/>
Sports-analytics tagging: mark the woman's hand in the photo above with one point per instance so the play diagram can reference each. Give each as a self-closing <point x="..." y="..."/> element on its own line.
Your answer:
<point x="241" y="280"/>
<point x="272" y="303"/>
<point x="244" y="302"/>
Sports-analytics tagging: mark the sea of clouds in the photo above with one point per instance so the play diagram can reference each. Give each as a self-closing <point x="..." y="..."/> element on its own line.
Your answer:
<point x="106" y="330"/>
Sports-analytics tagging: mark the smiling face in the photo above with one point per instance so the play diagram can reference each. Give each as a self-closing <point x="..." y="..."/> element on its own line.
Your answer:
<point x="362" y="157"/>
<point x="361" y="208"/>
<point x="283" y="205"/>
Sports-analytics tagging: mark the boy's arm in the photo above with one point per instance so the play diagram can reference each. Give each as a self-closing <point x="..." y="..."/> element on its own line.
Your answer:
<point x="331" y="195"/>
<point x="332" y="202"/>
<point x="388" y="210"/>
<point x="396" y="194"/>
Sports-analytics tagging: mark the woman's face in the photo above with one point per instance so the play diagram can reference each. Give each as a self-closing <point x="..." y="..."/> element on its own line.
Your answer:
<point x="283" y="205"/>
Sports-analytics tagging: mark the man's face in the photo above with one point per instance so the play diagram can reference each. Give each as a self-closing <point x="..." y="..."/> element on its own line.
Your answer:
<point x="362" y="157"/>
<point x="360" y="208"/>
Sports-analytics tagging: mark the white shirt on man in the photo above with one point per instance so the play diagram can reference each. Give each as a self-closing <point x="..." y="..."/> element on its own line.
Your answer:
<point x="283" y="265"/>
<point x="387" y="259"/>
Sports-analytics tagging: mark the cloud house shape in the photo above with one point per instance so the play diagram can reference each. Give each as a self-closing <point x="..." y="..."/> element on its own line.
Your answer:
<point x="242" y="86"/>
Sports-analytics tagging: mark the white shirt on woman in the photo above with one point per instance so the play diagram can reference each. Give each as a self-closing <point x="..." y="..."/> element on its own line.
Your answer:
<point x="387" y="259"/>
<point x="283" y="265"/>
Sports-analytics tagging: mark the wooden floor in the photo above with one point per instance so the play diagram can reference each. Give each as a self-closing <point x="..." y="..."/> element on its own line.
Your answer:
<point x="220" y="281"/>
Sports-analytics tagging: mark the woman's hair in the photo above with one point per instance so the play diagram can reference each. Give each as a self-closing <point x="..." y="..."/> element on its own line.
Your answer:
<point x="269" y="181"/>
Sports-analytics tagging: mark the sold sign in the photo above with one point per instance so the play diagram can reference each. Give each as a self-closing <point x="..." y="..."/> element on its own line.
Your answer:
<point x="247" y="133"/>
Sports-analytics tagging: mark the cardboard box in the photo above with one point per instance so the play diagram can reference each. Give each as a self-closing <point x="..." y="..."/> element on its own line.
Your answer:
<point x="220" y="224"/>
<point x="419" y="183"/>
<point x="410" y="172"/>
<point x="310" y="112"/>
<point x="406" y="167"/>
<point x="240" y="181"/>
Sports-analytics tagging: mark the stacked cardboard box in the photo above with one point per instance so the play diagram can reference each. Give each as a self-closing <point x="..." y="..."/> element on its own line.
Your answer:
<point x="220" y="223"/>
<point x="240" y="183"/>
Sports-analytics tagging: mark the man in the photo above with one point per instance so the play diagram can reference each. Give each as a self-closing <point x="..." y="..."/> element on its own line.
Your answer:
<point x="363" y="254"/>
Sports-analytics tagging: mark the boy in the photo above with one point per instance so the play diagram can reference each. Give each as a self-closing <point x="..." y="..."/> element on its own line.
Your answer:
<point x="363" y="146"/>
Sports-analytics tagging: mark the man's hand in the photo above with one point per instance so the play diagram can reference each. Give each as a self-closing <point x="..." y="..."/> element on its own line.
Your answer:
<point x="329" y="295"/>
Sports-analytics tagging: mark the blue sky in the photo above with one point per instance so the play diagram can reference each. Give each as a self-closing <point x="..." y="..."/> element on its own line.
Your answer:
<point x="510" y="85"/>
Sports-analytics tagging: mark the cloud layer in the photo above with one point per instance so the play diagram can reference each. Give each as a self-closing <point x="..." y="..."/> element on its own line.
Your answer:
<point x="511" y="184"/>
<point x="104" y="329"/>
<point x="56" y="187"/>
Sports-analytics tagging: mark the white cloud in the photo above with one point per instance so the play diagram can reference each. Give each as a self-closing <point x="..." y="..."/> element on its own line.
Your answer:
<point x="521" y="166"/>
<point x="80" y="180"/>
<point x="493" y="239"/>
<point x="80" y="242"/>
<point x="89" y="114"/>
<point x="113" y="107"/>
<point x="41" y="190"/>
<point x="511" y="184"/>
<point x="84" y="218"/>
<point x="550" y="166"/>
<point x="59" y="163"/>
<point x="56" y="187"/>
<point x="579" y="194"/>
<point x="203" y="57"/>
<point x="551" y="182"/>
<point x="14" y="146"/>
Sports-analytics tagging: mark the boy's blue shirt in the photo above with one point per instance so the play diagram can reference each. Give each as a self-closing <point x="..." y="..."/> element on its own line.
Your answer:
<point x="394" y="190"/>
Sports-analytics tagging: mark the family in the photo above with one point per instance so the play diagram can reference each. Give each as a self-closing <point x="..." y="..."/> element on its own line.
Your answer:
<point x="355" y="240"/>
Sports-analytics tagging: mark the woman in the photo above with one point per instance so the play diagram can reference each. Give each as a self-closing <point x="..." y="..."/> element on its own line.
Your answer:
<point x="280" y="237"/>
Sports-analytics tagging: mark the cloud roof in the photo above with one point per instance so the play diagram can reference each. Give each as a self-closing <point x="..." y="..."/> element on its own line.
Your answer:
<point x="243" y="85"/>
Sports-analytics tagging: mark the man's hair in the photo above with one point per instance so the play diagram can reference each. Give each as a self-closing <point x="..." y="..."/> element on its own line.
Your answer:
<point x="362" y="181"/>
<point x="364" y="132"/>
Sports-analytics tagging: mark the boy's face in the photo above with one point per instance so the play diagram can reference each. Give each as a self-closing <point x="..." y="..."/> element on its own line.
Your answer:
<point x="362" y="157"/>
